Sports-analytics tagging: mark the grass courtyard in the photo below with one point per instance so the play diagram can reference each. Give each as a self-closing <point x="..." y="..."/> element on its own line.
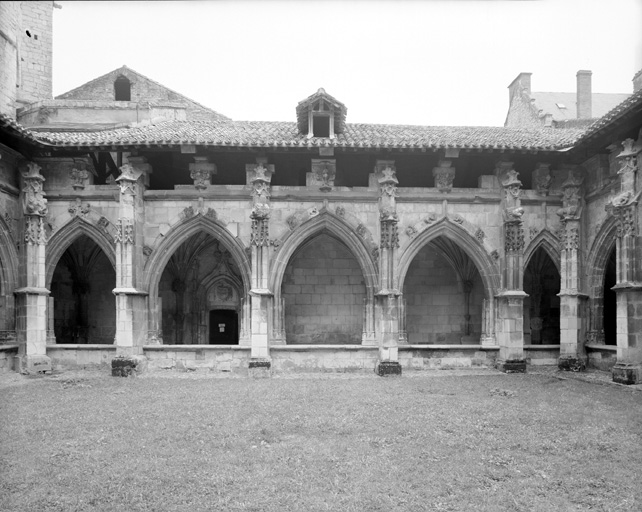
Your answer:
<point x="435" y="441"/>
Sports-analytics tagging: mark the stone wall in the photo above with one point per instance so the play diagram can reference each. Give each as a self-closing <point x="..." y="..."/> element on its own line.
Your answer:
<point x="323" y="290"/>
<point x="35" y="51"/>
<point x="9" y="33"/>
<point x="435" y="304"/>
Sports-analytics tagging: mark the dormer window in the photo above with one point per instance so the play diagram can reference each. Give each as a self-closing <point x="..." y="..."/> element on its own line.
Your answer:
<point x="321" y="115"/>
<point x="122" y="89"/>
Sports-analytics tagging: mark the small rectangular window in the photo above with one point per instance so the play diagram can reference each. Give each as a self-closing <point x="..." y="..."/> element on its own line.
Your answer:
<point x="321" y="126"/>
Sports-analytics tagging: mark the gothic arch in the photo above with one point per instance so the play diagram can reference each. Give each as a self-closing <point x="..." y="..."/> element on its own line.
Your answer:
<point x="598" y="256"/>
<point x="182" y="231"/>
<point x="487" y="269"/>
<point x="549" y="243"/>
<point x="8" y="260"/>
<point x="65" y="236"/>
<point x="325" y="222"/>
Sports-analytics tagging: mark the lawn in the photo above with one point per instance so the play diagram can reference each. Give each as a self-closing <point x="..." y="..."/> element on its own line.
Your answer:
<point x="433" y="442"/>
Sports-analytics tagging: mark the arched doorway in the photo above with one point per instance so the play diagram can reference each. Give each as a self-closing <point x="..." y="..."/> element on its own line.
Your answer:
<point x="84" y="306"/>
<point x="609" y="309"/>
<point x="200" y="294"/>
<point x="444" y="295"/>
<point x="323" y="292"/>
<point x="542" y="306"/>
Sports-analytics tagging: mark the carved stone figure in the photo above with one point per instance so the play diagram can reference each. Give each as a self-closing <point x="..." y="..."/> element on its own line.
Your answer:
<point x="33" y="198"/>
<point x="571" y="200"/>
<point x="78" y="177"/>
<point x="444" y="176"/>
<point x="542" y="179"/>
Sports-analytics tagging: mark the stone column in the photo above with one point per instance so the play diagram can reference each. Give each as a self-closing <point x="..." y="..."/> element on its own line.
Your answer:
<point x="131" y="300"/>
<point x="572" y="300"/>
<point x="388" y="298"/>
<point x="31" y="296"/>
<point x="259" y="176"/>
<point x="628" y="288"/>
<point x="510" y="301"/>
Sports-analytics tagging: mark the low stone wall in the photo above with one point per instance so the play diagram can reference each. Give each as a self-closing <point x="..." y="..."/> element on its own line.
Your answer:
<point x="217" y="358"/>
<point x="542" y="355"/>
<point x="430" y="357"/>
<point x="601" y="357"/>
<point x="323" y="358"/>
<point x="72" y="356"/>
<point x="7" y="353"/>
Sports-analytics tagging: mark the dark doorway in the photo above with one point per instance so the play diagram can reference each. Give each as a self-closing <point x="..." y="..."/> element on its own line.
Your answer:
<point x="610" y="302"/>
<point x="224" y="327"/>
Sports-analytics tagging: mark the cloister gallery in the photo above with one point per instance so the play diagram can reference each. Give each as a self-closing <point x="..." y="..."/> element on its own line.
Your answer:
<point x="141" y="230"/>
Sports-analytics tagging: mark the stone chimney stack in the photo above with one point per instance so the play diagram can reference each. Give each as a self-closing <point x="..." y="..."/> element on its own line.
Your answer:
<point x="584" y="95"/>
<point x="520" y="84"/>
<point x="637" y="81"/>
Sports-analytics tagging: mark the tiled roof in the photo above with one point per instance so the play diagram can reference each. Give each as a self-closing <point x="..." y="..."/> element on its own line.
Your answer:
<point x="548" y="102"/>
<point x="286" y="134"/>
<point x="631" y="106"/>
<point x="9" y="125"/>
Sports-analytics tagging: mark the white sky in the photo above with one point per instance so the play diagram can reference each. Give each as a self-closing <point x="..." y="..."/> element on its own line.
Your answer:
<point x="402" y="62"/>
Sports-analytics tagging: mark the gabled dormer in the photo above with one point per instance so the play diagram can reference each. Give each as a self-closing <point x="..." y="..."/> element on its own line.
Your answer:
<point x="321" y="115"/>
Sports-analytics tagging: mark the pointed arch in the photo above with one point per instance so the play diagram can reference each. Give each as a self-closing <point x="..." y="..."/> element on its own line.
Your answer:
<point x="549" y="243"/>
<point x="182" y="231"/>
<point x="336" y="227"/>
<point x="487" y="268"/>
<point x="8" y="260"/>
<point x="598" y="255"/>
<point x="67" y="234"/>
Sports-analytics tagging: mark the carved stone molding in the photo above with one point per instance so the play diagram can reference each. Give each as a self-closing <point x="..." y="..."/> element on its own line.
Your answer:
<point x="78" y="209"/>
<point x="124" y="234"/>
<point x="389" y="234"/>
<point x="513" y="237"/>
<point x="201" y="172"/>
<point x="78" y="178"/>
<point x="324" y="173"/>
<point x="35" y="233"/>
<point x="127" y="179"/>
<point x="542" y="179"/>
<point x="571" y="199"/>
<point x="33" y="198"/>
<point x="444" y="176"/>
<point x="260" y="235"/>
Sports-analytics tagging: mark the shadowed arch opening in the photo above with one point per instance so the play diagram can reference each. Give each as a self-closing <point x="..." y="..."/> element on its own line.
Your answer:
<point x="469" y="245"/>
<point x="65" y="236"/>
<point x="196" y="269"/>
<point x="443" y="296"/>
<point x="84" y="307"/>
<point x="600" y="281"/>
<point x="542" y="306"/>
<point x="8" y="278"/>
<point x="609" y="310"/>
<point x="546" y="241"/>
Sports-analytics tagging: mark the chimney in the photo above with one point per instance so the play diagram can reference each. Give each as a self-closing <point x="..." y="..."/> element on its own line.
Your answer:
<point x="637" y="81"/>
<point x="521" y="84"/>
<point x="584" y="95"/>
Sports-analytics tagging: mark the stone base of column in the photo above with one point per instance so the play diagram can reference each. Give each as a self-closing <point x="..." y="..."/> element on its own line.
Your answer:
<point x="260" y="367"/>
<point x="571" y="364"/>
<point x="388" y="369"/>
<point x="511" y="365"/>
<point x="128" y="366"/>
<point x="33" y="365"/>
<point x="625" y="373"/>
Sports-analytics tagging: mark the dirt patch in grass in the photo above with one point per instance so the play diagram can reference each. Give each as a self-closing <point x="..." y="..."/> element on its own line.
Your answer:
<point x="458" y="442"/>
